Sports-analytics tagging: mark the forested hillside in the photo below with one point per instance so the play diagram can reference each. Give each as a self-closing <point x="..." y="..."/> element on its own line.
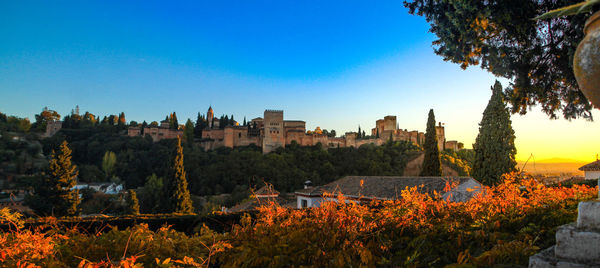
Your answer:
<point x="103" y="152"/>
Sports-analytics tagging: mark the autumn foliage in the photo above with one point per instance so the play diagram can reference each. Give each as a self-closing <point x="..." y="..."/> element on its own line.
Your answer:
<point x="503" y="225"/>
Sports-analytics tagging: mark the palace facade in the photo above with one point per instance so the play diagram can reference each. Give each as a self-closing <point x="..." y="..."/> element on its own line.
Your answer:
<point x="271" y="132"/>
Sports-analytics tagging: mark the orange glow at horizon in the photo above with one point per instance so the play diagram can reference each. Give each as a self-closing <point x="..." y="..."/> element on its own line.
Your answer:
<point x="556" y="140"/>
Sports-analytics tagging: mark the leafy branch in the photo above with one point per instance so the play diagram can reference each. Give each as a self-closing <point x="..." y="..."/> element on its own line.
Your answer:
<point x="582" y="7"/>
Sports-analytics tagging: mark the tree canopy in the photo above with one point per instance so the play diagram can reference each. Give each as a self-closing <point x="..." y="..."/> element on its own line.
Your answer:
<point x="501" y="37"/>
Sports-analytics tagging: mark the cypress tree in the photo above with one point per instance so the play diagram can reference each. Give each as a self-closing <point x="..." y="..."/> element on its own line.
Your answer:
<point x="173" y="123"/>
<point x="377" y="135"/>
<point x="494" y="147"/>
<point x="133" y="203"/>
<point x="200" y="125"/>
<point x="108" y="164"/>
<point x="431" y="164"/>
<point x="188" y="132"/>
<point x="53" y="195"/>
<point x="180" y="195"/>
<point x="359" y="132"/>
<point x="121" y="121"/>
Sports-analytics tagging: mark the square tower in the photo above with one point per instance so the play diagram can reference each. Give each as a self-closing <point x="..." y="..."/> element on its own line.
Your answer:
<point x="273" y="131"/>
<point x="441" y="136"/>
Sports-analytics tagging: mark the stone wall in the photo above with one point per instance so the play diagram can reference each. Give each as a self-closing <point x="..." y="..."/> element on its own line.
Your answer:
<point x="52" y="127"/>
<point x="452" y="145"/>
<point x="134" y="131"/>
<point x="592" y="175"/>
<point x="414" y="166"/>
<point x="577" y="244"/>
<point x="234" y="136"/>
<point x="157" y="133"/>
<point x="215" y="134"/>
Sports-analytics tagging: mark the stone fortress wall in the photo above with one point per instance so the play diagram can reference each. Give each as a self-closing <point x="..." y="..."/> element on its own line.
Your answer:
<point x="156" y="132"/>
<point x="272" y="131"/>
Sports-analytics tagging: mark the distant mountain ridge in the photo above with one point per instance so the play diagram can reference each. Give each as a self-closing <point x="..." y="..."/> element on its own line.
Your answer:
<point x="552" y="166"/>
<point x="557" y="160"/>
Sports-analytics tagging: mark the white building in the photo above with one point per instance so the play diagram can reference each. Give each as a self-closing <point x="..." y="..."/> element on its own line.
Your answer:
<point x="367" y="188"/>
<point x="104" y="187"/>
<point x="591" y="170"/>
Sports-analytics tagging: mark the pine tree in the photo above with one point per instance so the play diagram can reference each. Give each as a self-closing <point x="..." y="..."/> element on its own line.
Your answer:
<point x="494" y="147"/>
<point x="431" y="163"/>
<point x="133" y="203"/>
<point x="180" y="195"/>
<point x="53" y="195"/>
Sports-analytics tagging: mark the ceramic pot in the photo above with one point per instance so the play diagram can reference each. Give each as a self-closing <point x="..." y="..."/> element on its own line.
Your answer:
<point x="586" y="63"/>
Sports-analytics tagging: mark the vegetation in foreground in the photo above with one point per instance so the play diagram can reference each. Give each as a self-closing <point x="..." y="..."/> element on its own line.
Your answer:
<point x="506" y="225"/>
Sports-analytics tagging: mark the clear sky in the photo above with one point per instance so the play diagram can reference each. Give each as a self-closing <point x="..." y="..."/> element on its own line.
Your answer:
<point x="334" y="64"/>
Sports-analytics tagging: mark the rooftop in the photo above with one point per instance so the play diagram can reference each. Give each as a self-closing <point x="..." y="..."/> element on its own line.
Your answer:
<point x="382" y="187"/>
<point x="254" y="203"/>
<point x="268" y="189"/>
<point x="594" y="166"/>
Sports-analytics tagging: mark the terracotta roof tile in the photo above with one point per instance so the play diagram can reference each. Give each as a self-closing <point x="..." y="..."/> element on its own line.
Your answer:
<point x="382" y="187"/>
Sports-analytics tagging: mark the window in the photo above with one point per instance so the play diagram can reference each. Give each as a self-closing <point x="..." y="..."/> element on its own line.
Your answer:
<point x="304" y="203"/>
<point x="239" y="135"/>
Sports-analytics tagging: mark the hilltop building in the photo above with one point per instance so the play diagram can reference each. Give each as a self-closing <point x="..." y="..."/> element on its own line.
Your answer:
<point x="388" y="126"/>
<point x="271" y="132"/>
<point x="156" y="132"/>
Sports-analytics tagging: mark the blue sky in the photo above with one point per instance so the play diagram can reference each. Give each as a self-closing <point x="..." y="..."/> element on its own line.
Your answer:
<point x="334" y="64"/>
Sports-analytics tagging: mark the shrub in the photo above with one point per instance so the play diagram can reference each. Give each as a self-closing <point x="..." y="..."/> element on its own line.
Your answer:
<point x="504" y="225"/>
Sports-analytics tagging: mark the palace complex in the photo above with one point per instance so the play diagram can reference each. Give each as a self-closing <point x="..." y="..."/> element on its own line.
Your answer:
<point x="272" y="131"/>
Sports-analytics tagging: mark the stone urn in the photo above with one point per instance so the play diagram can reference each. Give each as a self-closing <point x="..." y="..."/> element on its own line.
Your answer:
<point x="586" y="63"/>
